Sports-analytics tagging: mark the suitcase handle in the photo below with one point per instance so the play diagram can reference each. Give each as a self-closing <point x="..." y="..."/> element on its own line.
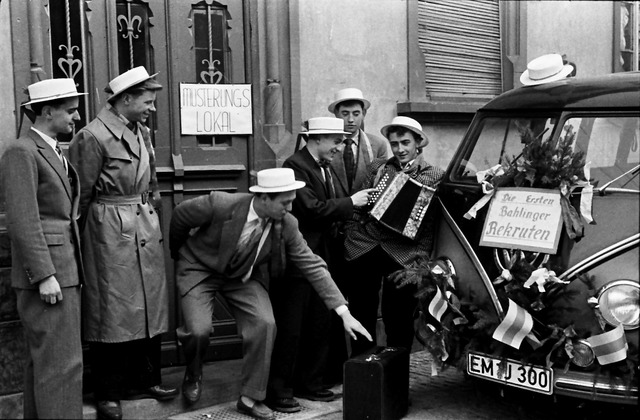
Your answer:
<point x="375" y="356"/>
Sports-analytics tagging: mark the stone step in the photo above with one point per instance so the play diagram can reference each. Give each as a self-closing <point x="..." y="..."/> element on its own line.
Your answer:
<point x="221" y="384"/>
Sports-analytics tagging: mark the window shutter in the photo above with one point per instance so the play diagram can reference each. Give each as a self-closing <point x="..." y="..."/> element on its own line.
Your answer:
<point x="461" y="45"/>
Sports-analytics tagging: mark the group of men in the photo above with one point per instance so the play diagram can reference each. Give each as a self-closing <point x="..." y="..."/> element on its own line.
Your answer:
<point x="299" y="259"/>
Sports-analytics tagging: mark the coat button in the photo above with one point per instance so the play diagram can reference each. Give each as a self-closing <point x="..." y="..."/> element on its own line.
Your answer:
<point x="138" y="212"/>
<point x="143" y="242"/>
<point x="150" y="211"/>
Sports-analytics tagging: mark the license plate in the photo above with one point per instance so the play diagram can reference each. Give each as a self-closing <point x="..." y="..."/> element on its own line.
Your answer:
<point x="514" y="373"/>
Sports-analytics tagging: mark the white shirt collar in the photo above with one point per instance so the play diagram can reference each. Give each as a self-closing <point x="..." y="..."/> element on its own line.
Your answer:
<point x="50" y="141"/>
<point x="252" y="212"/>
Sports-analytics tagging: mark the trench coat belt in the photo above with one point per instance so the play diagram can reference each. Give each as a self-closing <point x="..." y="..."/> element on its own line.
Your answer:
<point x="122" y="199"/>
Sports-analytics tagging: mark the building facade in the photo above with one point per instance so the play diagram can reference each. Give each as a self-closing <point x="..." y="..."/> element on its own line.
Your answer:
<point x="434" y="60"/>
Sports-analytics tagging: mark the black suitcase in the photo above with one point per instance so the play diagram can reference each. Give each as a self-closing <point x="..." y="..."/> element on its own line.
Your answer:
<point x="376" y="385"/>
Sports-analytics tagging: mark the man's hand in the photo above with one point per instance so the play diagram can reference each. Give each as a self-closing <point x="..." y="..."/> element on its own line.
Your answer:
<point x="352" y="325"/>
<point x="50" y="290"/>
<point x="361" y="198"/>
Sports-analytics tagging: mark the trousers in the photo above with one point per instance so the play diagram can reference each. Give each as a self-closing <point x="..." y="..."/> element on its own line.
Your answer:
<point x="250" y="305"/>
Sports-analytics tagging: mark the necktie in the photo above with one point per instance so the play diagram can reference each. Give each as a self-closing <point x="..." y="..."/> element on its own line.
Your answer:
<point x="62" y="158"/>
<point x="349" y="161"/>
<point x="328" y="181"/>
<point x="242" y="261"/>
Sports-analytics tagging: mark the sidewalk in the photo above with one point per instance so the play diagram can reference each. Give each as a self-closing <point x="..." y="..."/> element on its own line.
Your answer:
<point x="419" y="380"/>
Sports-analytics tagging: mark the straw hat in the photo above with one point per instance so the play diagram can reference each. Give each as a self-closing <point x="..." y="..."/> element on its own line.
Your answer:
<point x="51" y="89"/>
<point x="410" y="124"/>
<point x="544" y="69"/>
<point x="325" y="125"/>
<point x="276" y="180"/>
<point x="348" y="94"/>
<point x="128" y="79"/>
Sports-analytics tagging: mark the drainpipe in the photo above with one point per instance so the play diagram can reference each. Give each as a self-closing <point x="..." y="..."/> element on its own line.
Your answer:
<point x="274" y="129"/>
<point x="36" y="43"/>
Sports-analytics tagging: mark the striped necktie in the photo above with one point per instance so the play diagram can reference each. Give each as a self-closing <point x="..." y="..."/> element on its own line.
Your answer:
<point x="62" y="158"/>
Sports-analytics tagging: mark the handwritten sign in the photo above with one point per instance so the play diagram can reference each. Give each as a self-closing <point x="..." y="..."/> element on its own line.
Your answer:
<point x="207" y="109"/>
<point x="523" y="218"/>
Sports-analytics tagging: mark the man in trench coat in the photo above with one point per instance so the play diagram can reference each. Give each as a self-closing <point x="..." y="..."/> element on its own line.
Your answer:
<point x="125" y="298"/>
<point x="40" y="191"/>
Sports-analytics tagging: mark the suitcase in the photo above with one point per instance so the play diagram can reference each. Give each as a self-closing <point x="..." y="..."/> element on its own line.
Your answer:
<point x="376" y="385"/>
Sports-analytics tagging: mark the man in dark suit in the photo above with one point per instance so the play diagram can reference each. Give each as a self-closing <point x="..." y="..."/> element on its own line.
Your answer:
<point x="40" y="190"/>
<point x="302" y="344"/>
<point x="360" y="148"/>
<point x="243" y="241"/>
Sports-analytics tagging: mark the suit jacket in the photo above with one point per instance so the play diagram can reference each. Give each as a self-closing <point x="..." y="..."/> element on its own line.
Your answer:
<point x="219" y="218"/>
<point x="41" y="204"/>
<point x="317" y="213"/>
<point x="370" y="147"/>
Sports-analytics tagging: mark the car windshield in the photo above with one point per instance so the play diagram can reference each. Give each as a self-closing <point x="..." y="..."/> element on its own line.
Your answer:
<point x="610" y="144"/>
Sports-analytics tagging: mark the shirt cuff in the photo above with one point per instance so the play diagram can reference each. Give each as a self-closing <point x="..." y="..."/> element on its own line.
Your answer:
<point x="341" y="309"/>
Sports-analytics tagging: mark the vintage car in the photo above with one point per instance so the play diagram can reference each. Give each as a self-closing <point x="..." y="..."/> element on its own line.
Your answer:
<point x="578" y="139"/>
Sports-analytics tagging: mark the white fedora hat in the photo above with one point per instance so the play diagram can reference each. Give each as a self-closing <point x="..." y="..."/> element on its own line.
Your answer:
<point x="276" y="180"/>
<point x="325" y="125"/>
<point x="128" y="79"/>
<point x="52" y="89"/>
<point x="410" y="124"/>
<point x="544" y="69"/>
<point x="349" y="94"/>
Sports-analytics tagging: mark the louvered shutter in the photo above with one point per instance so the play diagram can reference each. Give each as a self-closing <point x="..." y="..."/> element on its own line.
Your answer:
<point x="461" y="45"/>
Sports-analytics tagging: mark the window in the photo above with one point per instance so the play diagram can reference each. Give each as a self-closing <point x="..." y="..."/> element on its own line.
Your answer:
<point x="626" y="38"/>
<point x="461" y="44"/>
<point x="502" y="138"/>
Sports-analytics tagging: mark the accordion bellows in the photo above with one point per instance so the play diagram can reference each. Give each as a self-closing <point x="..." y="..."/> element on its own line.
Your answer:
<point x="401" y="204"/>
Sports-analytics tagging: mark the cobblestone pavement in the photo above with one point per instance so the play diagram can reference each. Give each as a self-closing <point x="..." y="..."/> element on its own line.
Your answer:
<point x="451" y="395"/>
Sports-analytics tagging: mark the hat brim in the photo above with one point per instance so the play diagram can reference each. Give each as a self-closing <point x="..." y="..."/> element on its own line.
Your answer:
<point x="125" y="87"/>
<point x="425" y="140"/>
<point x="333" y="105"/>
<point x="55" y="98"/>
<point x="283" y="188"/>
<point x="527" y="81"/>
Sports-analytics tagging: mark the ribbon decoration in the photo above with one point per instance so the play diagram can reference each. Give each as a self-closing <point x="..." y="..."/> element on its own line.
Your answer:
<point x="540" y="277"/>
<point x="586" y="196"/>
<point x="572" y="221"/>
<point x="609" y="347"/>
<point x="487" y="188"/>
<point x="515" y="326"/>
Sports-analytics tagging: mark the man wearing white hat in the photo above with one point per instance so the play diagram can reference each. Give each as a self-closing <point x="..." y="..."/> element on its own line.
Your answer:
<point x="374" y="251"/>
<point x="301" y="348"/>
<point x="243" y="241"/>
<point x="360" y="148"/>
<point x="40" y="190"/>
<point x="125" y="298"/>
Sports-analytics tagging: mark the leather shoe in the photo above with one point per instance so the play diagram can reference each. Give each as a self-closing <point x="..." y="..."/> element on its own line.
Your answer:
<point x="257" y="411"/>
<point x="319" y="395"/>
<point x="284" y="405"/>
<point x="158" y="392"/>
<point x="109" y="410"/>
<point x="192" y="388"/>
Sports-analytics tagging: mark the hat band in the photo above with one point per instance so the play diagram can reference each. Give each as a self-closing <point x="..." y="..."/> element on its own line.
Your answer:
<point x="545" y="76"/>
<point x="57" y="95"/>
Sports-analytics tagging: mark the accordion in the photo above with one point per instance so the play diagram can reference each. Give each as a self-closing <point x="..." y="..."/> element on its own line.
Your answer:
<point x="401" y="203"/>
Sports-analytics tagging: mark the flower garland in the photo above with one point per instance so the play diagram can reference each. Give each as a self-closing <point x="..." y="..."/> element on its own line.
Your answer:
<point x="544" y="164"/>
<point x="450" y="332"/>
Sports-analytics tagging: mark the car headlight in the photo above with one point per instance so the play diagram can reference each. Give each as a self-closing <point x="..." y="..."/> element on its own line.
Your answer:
<point x="583" y="355"/>
<point x="619" y="303"/>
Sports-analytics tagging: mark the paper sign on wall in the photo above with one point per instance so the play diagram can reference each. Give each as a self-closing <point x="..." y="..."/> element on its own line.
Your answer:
<point x="523" y="218"/>
<point x="208" y="109"/>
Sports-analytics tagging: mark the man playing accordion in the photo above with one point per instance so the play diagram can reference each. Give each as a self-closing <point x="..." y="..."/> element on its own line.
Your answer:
<point x="385" y="236"/>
